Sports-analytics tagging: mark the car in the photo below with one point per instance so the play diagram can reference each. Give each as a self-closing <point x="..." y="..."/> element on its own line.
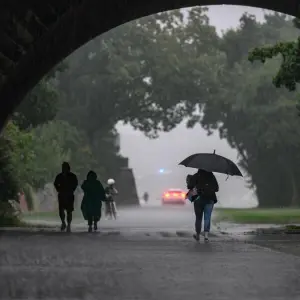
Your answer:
<point x="174" y="196"/>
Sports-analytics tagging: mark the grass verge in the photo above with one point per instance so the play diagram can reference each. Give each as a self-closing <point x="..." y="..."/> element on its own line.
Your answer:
<point x="8" y="215"/>
<point x="259" y="216"/>
<point x="49" y="215"/>
<point x="11" y="221"/>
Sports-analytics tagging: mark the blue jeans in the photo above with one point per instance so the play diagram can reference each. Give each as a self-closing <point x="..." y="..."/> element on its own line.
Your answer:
<point x="200" y="210"/>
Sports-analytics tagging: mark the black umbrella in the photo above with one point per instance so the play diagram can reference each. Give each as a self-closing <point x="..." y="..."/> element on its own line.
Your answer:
<point x="212" y="162"/>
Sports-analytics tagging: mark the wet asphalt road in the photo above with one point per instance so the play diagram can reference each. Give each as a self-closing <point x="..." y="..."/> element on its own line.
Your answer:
<point x="147" y="254"/>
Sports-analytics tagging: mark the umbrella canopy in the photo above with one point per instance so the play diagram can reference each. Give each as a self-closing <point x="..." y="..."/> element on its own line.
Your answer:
<point x="212" y="162"/>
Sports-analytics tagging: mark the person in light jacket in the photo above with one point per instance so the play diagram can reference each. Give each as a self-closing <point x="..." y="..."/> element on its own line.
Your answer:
<point x="111" y="192"/>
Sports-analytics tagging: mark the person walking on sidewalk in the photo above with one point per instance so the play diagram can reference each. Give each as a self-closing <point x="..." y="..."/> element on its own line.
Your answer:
<point x="65" y="184"/>
<point x="91" y="204"/>
<point x="205" y="184"/>
<point x="146" y="197"/>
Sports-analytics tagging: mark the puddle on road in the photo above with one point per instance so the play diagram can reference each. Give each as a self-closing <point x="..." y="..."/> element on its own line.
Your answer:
<point x="257" y="233"/>
<point x="166" y="234"/>
<point x="245" y="229"/>
<point x="111" y="233"/>
<point x="184" y="234"/>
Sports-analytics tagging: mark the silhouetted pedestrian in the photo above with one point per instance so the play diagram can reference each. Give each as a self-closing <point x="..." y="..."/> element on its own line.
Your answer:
<point x="146" y="197"/>
<point x="65" y="184"/>
<point x="91" y="204"/>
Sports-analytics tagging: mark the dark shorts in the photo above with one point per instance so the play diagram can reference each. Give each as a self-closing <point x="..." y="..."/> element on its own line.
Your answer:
<point x="66" y="202"/>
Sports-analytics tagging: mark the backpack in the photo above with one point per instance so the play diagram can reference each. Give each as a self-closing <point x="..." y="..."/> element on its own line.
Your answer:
<point x="190" y="182"/>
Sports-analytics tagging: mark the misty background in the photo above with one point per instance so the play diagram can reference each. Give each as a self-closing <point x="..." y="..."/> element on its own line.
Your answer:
<point x="149" y="157"/>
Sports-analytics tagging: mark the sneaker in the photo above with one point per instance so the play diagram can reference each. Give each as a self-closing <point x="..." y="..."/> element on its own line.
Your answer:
<point x="69" y="228"/>
<point x="196" y="237"/>
<point x="63" y="227"/>
<point x="206" y="236"/>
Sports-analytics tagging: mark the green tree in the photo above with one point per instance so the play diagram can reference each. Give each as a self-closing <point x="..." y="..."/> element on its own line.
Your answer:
<point x="140" y="73"/>
<point x="256" y="118"/>
<point x="18" y="169"/>
<point x="55" y="142"/>
<point x="15" y="159"/>
<point x="41" y="104"/>
<point x="288" y="74"/>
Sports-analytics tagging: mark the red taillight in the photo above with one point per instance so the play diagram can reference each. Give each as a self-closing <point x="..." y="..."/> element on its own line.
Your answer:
<point x="172" y="195"/>
<point x="178" y="195"/>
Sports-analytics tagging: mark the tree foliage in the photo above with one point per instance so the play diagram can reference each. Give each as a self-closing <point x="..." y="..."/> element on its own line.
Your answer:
<point x="288" y="74"/>
<point x="41" y="104"/>
<point x="141" y="73"/>
<point x="256" y="118"/>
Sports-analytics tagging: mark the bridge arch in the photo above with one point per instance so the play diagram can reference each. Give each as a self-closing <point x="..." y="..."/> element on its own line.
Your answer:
<point x="36" y="35"/>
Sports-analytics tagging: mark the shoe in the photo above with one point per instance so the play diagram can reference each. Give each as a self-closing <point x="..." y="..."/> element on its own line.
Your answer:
<point x="95" y="227"/>
<point x="196" y="237"/>
<point x="206" y="237"/>
<point x="69" y="228"/>
<point x="90" y="229"/>
<point x="63" y="227"/>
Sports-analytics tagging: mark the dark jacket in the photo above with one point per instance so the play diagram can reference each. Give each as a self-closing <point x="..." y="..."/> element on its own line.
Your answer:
<point x="66" y="184"/>
<point x="91" y="203"/>
<point x="206" y="185"/>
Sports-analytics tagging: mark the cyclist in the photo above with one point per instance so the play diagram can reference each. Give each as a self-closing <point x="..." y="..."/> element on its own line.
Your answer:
<point x="110" y="205"/>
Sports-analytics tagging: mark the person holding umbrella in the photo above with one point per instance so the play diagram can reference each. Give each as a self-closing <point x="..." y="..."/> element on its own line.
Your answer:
<point x="203" y="185"/>
<point x="206" y="186"/>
